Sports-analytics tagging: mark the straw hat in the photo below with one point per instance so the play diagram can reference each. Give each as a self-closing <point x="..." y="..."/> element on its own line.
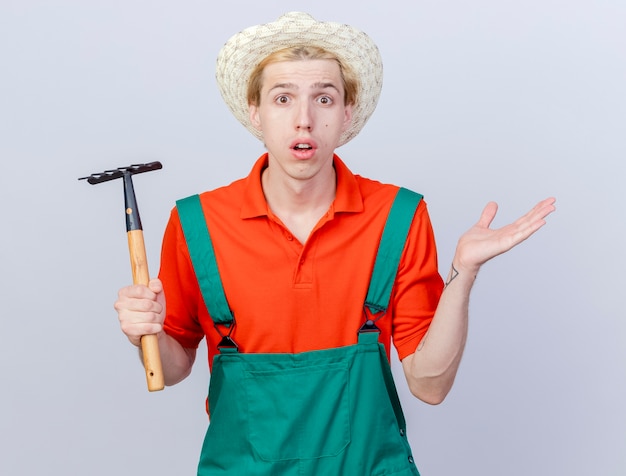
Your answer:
<point x="245" y="50"/>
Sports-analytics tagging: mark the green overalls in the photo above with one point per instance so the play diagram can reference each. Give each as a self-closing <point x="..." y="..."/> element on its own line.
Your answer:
<point x="332" y="412"/>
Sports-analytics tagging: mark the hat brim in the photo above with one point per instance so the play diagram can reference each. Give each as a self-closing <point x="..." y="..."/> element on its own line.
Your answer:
<point x="245" y="50"/>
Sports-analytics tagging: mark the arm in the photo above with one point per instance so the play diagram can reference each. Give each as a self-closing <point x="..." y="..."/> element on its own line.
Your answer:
<point x="141" y="311"/>
<point x="432" y="368"/>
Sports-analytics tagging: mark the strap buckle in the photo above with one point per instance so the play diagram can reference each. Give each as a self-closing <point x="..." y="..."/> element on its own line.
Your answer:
<point x="227" y="343"/>
<point x="370" y="321"/>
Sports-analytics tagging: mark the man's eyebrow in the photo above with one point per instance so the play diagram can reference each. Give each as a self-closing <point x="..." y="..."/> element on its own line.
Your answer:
<point x="284" y="86"/>
<point x="321" y="85"/>
<point x="318" y="85"/>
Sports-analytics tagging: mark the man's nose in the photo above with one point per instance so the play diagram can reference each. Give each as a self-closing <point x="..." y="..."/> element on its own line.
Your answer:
<point x="304" y="119"/>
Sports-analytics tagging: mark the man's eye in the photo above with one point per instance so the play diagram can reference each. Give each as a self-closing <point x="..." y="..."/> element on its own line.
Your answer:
<point x="282" y="99"/>
<point x="325" y="100"/>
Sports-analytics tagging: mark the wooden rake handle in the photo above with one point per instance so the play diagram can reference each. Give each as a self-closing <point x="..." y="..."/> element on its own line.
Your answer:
<point x="149" y="343"/>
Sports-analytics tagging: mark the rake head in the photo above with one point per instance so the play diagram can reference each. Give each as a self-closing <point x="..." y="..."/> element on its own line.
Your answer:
<point x="120" y="172"/>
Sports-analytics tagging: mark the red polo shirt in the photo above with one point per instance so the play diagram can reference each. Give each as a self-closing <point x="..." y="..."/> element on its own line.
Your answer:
<point x="292" y="297"/>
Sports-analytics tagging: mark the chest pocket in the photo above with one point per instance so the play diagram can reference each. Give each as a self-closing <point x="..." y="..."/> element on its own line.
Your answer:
<point x="299" y="412"/>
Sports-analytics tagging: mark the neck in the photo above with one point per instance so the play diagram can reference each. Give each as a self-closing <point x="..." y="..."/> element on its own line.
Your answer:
<point x="299" y="204"/>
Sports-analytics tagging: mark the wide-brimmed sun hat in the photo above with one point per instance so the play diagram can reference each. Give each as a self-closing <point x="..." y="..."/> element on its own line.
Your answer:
<point x="245" y="50"/>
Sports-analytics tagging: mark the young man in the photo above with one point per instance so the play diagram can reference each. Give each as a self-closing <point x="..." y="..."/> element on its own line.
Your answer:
<point x="301" y="274"/>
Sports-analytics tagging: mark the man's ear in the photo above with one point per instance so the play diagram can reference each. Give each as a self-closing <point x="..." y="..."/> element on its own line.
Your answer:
<point x="347" y="121"/>
<point x="253" y="112"/>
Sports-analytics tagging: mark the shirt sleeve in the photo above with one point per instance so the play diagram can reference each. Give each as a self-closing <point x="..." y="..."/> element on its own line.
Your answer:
<point x="418" y="285"/>
<point x="182" y="295"/>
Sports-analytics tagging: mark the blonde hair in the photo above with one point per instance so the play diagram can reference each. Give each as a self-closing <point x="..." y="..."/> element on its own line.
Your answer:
<point x="303" y="53"/>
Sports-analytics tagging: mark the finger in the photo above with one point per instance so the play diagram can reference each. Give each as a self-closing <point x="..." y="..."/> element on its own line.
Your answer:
<point x="135" y="323"/>
<point x="135" y="332"/>
<point x="544" y="207"/>
<point x="131" y="320"/>
<point x="155" y="285"/>
<point x="534" y="219"/>
<point x="488" y="214"/>
<point x="547" y="206"/>
<point x="538" y="212"/>
<point x="139" y="305"/>
<point x="136" y="291"/>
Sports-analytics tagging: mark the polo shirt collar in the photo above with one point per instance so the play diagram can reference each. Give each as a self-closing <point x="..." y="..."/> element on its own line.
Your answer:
<point x="348" y="196"/>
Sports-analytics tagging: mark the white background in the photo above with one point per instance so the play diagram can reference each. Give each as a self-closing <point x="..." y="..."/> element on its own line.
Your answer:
<point x="483" y="100"/>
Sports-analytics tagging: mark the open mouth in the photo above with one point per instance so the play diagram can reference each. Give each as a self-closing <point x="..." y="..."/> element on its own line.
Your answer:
<point x="302" y="147"/>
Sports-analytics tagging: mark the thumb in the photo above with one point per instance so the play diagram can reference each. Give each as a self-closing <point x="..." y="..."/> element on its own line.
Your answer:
<point x="155" y="285"/>
<point x="488" y="214"/>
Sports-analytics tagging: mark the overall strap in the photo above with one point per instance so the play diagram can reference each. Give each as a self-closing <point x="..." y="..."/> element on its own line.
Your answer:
<point x="202" y="257"/>
<point x="390" y="249"/>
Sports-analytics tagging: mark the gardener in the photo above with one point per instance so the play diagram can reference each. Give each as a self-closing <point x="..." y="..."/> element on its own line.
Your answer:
<point x="281" y="272"/>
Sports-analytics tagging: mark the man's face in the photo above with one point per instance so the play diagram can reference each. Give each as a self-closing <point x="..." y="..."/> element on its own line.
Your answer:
<point x="301" y="115"/>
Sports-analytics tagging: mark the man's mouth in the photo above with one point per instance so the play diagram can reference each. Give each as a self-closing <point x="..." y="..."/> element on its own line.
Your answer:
<point x="303" y="147"/>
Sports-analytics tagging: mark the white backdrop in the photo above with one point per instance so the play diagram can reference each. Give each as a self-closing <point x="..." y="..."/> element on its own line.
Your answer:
<point x="483" y="100"/>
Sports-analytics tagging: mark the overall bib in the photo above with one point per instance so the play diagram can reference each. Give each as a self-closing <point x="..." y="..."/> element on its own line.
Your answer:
<point x="332" y="412"/>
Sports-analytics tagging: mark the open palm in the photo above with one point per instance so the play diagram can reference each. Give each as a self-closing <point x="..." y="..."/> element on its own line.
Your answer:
<point x="481" y="243"/>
